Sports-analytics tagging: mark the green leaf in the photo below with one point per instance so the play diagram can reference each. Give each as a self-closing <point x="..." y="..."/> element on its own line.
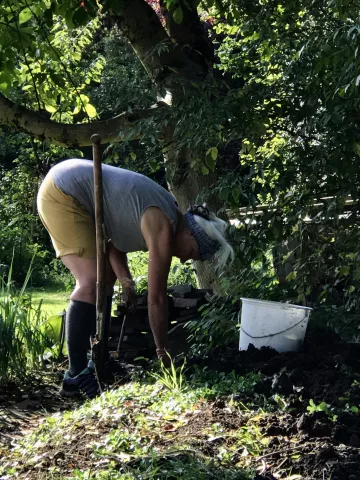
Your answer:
<point x="210" y="158"/>
<point x="50" y="108"/>
<point x="133" y="155"/>
<point x="5" y="80"/>
<point x="345" y="270"/>
<point x="25" y="15"/>
<point x="350" y="290"/>
<point x="204" y="170"/>
<point x="224" y="193"/>
<point x="235" y="194"/>
<point x="178" y="15"/>
<point x="90" y="110"/>
<point x="154" y="165"/>
<point x="292" y="276"/>
<point x="322" y="407"/>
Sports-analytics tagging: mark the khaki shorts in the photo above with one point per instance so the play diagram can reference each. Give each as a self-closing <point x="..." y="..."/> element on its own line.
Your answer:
<point x="71" y="228"/>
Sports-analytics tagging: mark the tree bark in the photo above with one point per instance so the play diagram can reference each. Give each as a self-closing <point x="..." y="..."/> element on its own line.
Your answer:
<point x="186" y="185"/>
<point x="190" y="33"/>
<point x="72" y="135"/>
<point x="163" y="60"/>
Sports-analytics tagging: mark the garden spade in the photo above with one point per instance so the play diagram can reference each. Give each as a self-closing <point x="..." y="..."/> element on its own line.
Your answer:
<point x="100" y="351"/>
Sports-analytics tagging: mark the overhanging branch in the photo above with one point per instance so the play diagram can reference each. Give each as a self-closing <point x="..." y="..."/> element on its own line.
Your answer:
<point x="73" y="135"/>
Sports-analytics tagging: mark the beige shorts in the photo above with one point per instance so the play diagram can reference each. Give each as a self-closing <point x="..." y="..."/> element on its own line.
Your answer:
<point x="71" y="228"/>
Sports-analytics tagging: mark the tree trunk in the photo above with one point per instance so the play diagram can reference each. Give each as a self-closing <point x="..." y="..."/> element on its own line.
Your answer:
<point x="186" y="185"/>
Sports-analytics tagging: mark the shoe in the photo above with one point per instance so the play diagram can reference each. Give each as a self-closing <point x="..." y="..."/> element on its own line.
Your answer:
<point x="84" y="383"/>
<point x="91" y="366"/>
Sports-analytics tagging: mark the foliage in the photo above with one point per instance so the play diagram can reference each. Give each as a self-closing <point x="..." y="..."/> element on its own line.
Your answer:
<point x="21" y="231"/>
<point x="218" y="326"/>
<point x="124" y="84"/>
<point x="179" y="274"/>
<point x="125" y="80"/>
<point x="312" y="407"/>
<point x="50" y="40"/>
<point x="22" y="339"/>
<point x="297" y="181"/>
<point x="275" y="123"/>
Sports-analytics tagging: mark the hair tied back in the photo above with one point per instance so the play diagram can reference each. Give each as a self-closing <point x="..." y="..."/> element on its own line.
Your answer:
<point x="200" y="211"/>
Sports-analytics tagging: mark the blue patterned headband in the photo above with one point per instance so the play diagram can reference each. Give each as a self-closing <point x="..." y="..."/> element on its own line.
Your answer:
<point x="207" y="246"/>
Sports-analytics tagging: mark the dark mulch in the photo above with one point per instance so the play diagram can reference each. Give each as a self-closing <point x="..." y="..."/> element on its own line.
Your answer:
<point x="326" y="446"/>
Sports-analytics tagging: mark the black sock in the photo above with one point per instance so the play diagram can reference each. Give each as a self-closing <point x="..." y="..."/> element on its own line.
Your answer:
<point x="80" y="322"/>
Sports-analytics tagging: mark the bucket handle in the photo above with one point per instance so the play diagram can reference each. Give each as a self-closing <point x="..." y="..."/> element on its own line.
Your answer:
<point x="278" y="333"/>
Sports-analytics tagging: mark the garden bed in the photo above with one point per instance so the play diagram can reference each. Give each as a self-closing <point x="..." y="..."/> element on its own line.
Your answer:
<point x="237" y="415"/>
<point x="315" y="432"/>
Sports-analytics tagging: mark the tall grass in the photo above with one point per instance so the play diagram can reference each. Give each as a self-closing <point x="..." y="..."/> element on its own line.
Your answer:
<point x="22" y="340"/>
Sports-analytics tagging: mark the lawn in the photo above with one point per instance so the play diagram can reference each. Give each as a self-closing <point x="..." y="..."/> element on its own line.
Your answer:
<point x="54" y="301"/>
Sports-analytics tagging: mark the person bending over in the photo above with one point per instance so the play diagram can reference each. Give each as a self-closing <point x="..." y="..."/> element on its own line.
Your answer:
<point x="139" y="215"/>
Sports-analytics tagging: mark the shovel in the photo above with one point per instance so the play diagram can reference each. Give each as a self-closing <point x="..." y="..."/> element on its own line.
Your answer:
<point x="100" y="350"/>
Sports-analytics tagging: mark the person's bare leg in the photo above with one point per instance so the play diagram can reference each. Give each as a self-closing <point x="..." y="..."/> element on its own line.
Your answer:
<point x="81" y="314"/>
<point x="84" y="272"/>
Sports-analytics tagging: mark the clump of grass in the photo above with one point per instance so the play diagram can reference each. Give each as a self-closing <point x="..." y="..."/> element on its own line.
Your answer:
<point x="22" y="342"/>
<point x="172" y="378"/>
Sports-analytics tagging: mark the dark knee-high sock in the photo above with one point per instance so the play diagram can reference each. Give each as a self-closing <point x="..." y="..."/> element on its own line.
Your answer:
<point x="80" y="322"/>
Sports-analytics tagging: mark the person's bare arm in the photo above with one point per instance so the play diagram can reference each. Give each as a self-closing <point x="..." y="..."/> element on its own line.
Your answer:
<point x="119" y="264"/>
<point x="158" y="234"/>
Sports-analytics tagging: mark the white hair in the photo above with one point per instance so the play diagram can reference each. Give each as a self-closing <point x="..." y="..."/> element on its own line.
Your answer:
<point x="215" y="229"/>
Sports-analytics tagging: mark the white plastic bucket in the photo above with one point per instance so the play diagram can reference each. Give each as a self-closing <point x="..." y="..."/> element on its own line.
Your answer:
<point x="280" y="326"/>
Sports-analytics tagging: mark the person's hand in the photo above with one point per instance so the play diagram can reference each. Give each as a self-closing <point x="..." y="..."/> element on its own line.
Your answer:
<point x="130" y="299"/>
<point x="164" y="356"/>
<point x="129" y="294"/>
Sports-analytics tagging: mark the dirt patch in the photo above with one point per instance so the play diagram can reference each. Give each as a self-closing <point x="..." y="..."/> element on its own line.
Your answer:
<point x="21" y="409"/>
<point x="316" y="434"/>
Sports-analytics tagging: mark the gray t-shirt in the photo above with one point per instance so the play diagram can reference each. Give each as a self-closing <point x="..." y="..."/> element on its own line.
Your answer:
<point x="126" y="197"/>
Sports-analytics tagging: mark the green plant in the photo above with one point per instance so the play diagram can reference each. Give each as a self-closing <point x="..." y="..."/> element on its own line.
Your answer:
<point x="61" y="276"/>
<point x="218" y="326"/>
<point x="22" y="340"/>
<point x="172" y="378"/>
<point x="321" y="407"/>
<point x="179" y="274"/>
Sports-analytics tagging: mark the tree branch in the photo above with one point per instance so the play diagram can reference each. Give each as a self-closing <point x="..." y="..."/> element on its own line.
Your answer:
<point x="190" y="32"/>
<point x="163" y="59"/>
<point x="73" y="135"/>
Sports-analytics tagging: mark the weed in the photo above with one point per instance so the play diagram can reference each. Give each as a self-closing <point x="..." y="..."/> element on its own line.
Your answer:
<point x="22" y="342"/>
<point x="321" y="407"/>
<point x="172" y="378"/>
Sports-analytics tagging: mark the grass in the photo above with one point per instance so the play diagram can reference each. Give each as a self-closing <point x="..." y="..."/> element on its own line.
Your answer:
<point x="22" y="339"/>
<point x="144" y="430"/>
<point x="189" y="424"/>
<point x="53" y="301"/>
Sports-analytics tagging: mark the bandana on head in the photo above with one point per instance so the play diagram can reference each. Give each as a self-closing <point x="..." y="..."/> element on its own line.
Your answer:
<point x="207" y="246"/>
